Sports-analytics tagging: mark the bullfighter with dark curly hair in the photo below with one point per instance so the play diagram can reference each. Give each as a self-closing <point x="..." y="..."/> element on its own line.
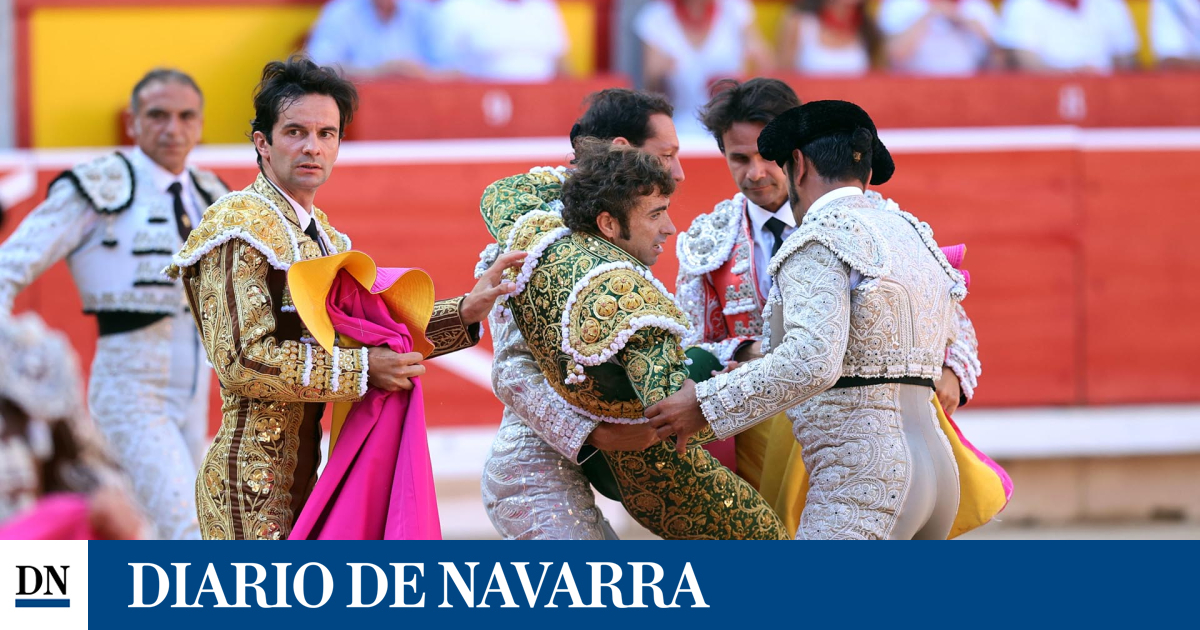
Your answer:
<point x="608" y="336"/>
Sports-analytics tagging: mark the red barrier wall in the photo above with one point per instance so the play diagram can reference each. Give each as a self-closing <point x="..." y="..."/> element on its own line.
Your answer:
<point x="1082" y="263"/>
<point x="397" y="109"/>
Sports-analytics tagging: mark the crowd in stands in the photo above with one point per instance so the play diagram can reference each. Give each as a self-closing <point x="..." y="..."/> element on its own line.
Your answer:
<point x="490" y="40"/>
<point x="685" y="45"/>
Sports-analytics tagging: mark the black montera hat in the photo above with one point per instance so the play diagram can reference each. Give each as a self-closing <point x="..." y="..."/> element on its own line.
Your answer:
<point x="799" y="126"/>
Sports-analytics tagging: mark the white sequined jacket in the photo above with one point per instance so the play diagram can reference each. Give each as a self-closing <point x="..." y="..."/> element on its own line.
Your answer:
<point x="116" y="232"/>
<point x="896" y="322"/>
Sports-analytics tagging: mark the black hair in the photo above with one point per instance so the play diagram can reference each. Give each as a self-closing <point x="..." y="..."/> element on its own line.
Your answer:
<point x="609" y="178"/>
<point x="841" y="156"/>
<point x="161" y="75"/>
<point x="620" y="113"/>
<point x="756" y="100"/>
<point x="283" y="82"/>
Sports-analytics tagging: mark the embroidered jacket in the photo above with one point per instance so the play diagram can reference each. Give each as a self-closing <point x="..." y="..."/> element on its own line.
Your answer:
<point x="263" y="461"/>
<point x="607" y="338"/>
<point x="896" y="323"/>
<point x="115" y="230"/>
<point x="717" y="288"/>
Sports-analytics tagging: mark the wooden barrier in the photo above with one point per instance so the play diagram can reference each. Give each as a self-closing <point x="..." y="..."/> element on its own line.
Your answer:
<point x="410" y="110"/>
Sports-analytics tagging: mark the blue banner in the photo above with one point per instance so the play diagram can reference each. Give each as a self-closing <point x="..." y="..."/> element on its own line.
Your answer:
<point x="178" y="585"/>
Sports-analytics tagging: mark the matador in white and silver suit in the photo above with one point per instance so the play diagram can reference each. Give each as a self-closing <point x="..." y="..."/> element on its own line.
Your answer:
<point x="861" y="311"/>
<point x="117" y="220"/>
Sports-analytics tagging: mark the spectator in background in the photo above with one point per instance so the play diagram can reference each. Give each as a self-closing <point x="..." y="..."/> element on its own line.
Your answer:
<point x="938" y="37"/>
<point x="1068" y="35"/>
<point x="829" y="37"/>
<point x="374" y="38"/>
<point x="689" y="44"/>
<point x="501" y="40"/>
<point x="1175" y="33"/>
<point x="58" y="480"/>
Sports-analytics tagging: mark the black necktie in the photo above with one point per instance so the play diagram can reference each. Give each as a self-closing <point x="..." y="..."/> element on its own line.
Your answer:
<point x="312" y="233"/>
<point x="182" y="221"/>
<point x="776" y="227"/>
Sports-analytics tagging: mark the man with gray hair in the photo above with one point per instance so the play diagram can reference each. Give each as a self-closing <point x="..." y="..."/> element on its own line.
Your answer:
<point x="117" y="219"/>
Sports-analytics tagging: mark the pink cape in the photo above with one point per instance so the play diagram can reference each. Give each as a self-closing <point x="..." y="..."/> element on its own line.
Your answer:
<point x="61" y="516"/>
<point x="378" y="484"/>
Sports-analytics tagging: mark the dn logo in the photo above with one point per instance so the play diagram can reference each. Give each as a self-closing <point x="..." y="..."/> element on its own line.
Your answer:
<point x="30" y="581"/>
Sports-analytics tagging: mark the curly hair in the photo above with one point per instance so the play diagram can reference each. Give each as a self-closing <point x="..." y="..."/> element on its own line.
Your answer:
<point x="609" y="178"/>
<point x="283" y="82"/>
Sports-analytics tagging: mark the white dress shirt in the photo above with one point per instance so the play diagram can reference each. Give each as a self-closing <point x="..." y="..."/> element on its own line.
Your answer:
<point x="764" y="240"/>
<point x="1175" y="29"/>
<point x="1068" y="39"/>
<point x="947" y="49"/>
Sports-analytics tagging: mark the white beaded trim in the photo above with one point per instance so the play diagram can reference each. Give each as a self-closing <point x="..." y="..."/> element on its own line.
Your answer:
<point x="773" y="297"/>
<point x="724" y="246"/>
<point x="635" y="324"/>
<point x="225" y="237"/>
<point x="597" y="417"/>
<point x="362" y="377"/>
<point x="519" y="224"/>
<point x="287" y="308"/>
<point x="306" y="379"/>
<point x="487" y="258"/>
<point x="739" y="306"/>
<point x="306" y="339"/>
<point x="237" y="232"/>
<point x="960" y="286"/>
<point x="337" y="368"/>
<point x="533" y="255"/>
<point x="558" y="171"/>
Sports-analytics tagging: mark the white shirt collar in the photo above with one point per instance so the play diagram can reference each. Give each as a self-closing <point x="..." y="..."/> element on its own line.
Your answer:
<point x="829" y="197"/>
<point x="759" y="215"/>
<point x="159" y="176"/>
<point x="302" y="216"/>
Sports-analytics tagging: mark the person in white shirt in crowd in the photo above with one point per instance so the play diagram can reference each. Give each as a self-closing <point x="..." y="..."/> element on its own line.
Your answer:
<point x="1175" y="33"/>
<point x="939" y="37"/>
<point x="523" y="41"/>
<point x="1095" y="36"/>
<point x="374" y="38"/>
<point x="687" y="45"/>
<point x="829" y="37"/>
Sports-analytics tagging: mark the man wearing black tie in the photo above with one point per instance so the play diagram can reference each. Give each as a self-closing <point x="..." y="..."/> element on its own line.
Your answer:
<point x="117" y="219"/>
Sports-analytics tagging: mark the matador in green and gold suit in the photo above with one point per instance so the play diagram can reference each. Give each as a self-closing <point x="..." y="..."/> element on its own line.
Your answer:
<point x="607" y="336"/>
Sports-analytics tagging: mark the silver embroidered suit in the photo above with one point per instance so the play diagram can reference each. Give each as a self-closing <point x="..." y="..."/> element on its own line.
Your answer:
<point x="148" y="390"/>
<point x="533" y="489"/>
<point x="859" y="291"/>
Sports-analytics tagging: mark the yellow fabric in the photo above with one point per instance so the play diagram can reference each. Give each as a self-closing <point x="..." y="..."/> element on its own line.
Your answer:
<point x="409" y="299"/>
<point x="769" y="458"/>
<point x="981" y="491"/>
